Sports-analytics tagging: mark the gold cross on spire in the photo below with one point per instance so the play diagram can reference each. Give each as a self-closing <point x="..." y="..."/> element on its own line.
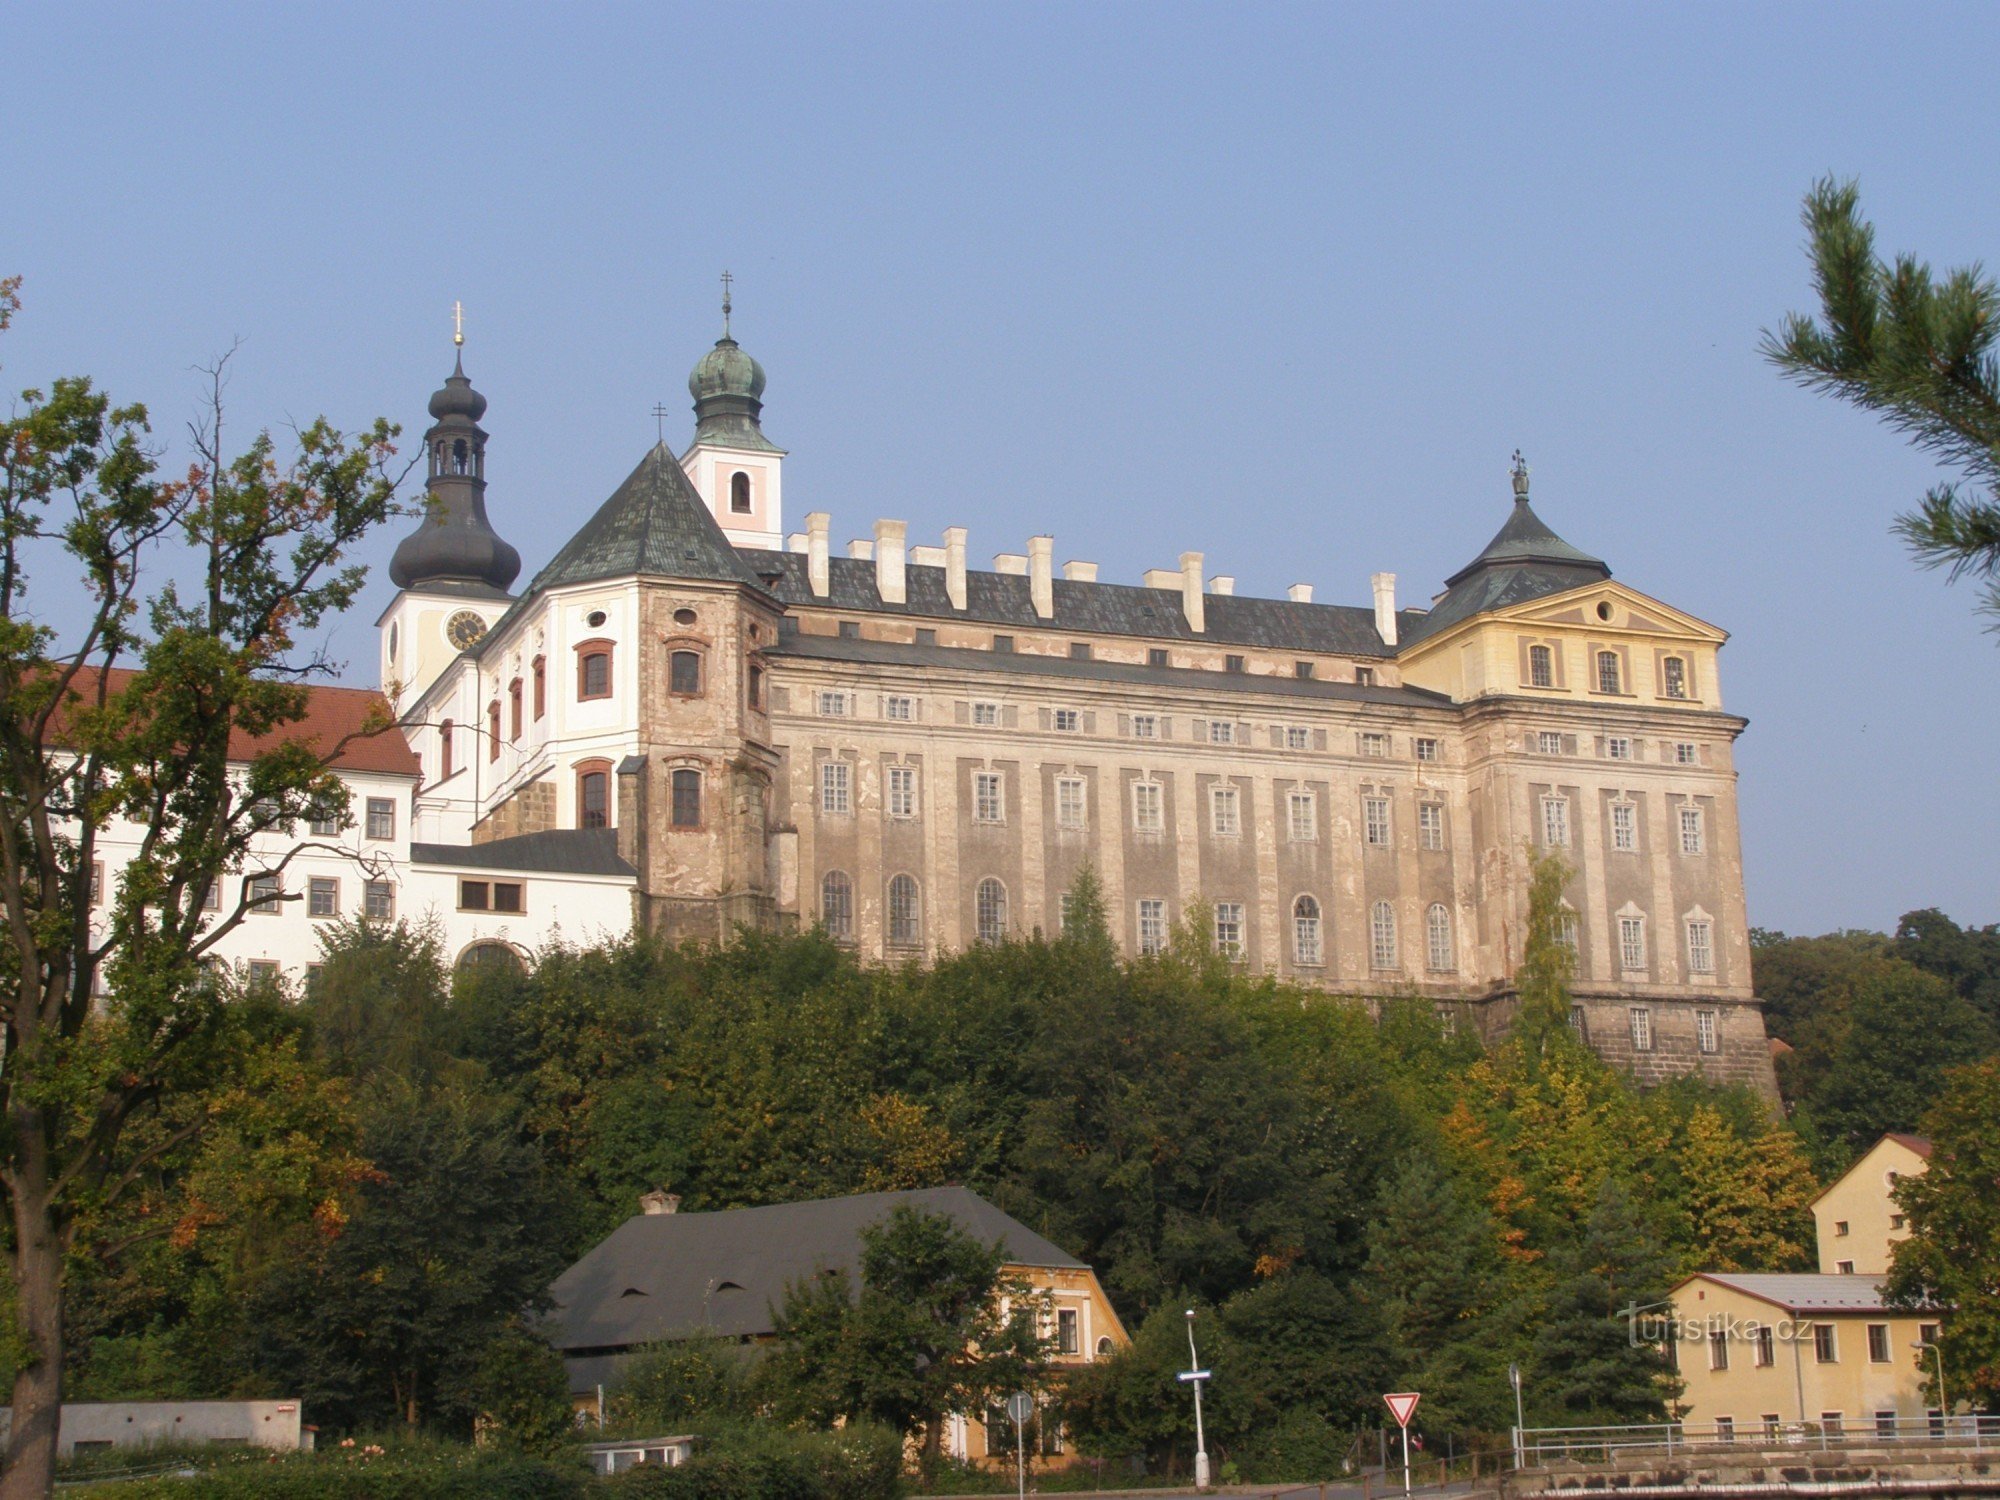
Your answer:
<point x="726" y="279"/>
<point x="458" y="324"/>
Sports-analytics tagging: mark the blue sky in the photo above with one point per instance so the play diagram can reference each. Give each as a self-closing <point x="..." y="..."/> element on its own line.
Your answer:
<point x="1284" y="284"/>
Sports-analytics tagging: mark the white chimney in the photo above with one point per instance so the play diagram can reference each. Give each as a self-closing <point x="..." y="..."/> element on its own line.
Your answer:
<point x="658" y="1202"/>
<point x="1080" y="572"/>
<point x="1385" y="606"/>
<point x="1161" y="578"/>
<point x="817" y="525"/>
<point x="1222" y="583"/>
<point x="889" y="578"/>
<point x="954" y="565"/>
<point x="1300" y="593"/>
<point x="927" y="557"/>
<point x="1041" y="575"/>
<point x="796" y="542"/>
<point x="1191" y="605"/>
<point x="865" y="550"/>
<point x="1015" y="563"/>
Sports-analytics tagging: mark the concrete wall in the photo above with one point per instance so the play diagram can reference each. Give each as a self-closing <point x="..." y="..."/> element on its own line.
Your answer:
<point x="146" y="1424"/>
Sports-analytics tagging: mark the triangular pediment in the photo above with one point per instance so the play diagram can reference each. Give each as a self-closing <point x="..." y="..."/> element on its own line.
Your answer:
<point x="1612" y="609"/>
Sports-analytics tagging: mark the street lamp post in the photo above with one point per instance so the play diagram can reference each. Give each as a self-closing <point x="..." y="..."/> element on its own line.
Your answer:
<point x="1944" y="1406"/>
<point x="1194" y="1377"/>
<point x="1520" y="1420"/>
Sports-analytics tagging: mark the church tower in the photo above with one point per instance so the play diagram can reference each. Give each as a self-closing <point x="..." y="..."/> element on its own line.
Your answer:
<point x="732" y="465"/>
<point x="453" y="571"/>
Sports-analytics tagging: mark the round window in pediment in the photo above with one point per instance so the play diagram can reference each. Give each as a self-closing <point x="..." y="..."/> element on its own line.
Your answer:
<point x="684" y="617"/>
<point x="1604" y="610"/>
<point x="594" y="619"/>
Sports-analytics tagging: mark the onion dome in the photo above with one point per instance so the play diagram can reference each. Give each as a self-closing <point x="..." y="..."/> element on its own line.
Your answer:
<point x="455" y="550"/>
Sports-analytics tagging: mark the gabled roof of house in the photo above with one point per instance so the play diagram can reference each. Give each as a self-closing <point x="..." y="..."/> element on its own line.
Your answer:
<point x="1916" y="1144"/>
<point x="556" y="851"/>
<point x="661" y="1276"/>
<point x="1802" y="1292"/>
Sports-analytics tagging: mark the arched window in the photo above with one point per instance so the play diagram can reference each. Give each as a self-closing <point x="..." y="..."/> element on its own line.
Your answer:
<point x="1541" y="667"/>
<point x="687" y="798"/>
<point x="836" y="906"/>
<point x="444" y="750"/>
<point x="514" y="709"/>
<point x="1307" y="947"/>
<point x="904" y="926"/>
<point x="1608" y="675"/>
<point x="684" y="673"/>
<point x="593" y="670"/>
<point x="493" y="730"/>
<point x="491" y="958"/>
<point x="1437" y="939"/>
<point x="739" y="493"/>
<point x="989" y="903"/>
<point x="1382" y="936"/>
<point x="593" y="795"/>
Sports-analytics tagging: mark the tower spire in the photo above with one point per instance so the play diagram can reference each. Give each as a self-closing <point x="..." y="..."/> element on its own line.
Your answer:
<point x="454" y="550"/>
<point x="726" y="279"/>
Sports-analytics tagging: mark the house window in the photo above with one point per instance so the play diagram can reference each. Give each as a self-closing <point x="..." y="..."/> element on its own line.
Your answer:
<point x="1298" y="737"/>
<point x="902" y="791"/>
<point x="1229" y="928"/>
<point x="1632" y="944"/>
<point x="1896" y="1221"/>
<point x="1068" y="1340"/>
<point x="1307" y="945"/>
<point x="593" y="670"/>
<point x="1691" y="841"/>
<point x="593" y="799"/>
<point x="739" y="493"/>
<point x="1878" y="1343"/>
<point x="1382" y="936"/>
<point x="1541" y="667"/>
<point x="756" y="687"/>
<point x="831" y="704"/>
<point x="836" y="906"/>
<point x="834" y="787"/>
<point x="986" y="713"/>
<point x="492" y="895"/>
<point x="211" y="897"/>
<point x="1145" y="727"/>
<point x="1566" y="929"/>
<point x="1223" y="820"/>
<point x="1437" y="939"/>
<point x="1701" y="952"/>
<point x="263" y="971"/>
<point x="1704" y="1030"/>
<point x="1826" y="1344"/>
<point x="97" y="882"/>
<point x="1772" y="1424"/>
<point x="444" y="771"/>
<point x="1375" y="820"/>
<point x="1624" y="827"/>
<point x="1375" y="744"/>
<point x="1079" y="651"/>
<point x="493" y="730"/>
<point x="989" y="797"/>
<point x="1003" y="644"/>
<point x="1725" y="1429"/>
<point x="1232" y="663"/>
<point x="1364" y="677"/>
<point x="1424" y="749"/>
<point x="514" y="709"/>
<point x="1618" y="747"/>
<point x="1677" y="677"/>
<point x="687" y="798"/>
<point x="1302" y="669"/>
<point x="1156" y="656"/>
<point x="1549" y="742"/>
<point x="1068" y="720"/>
<point x="1303" y="808"/>
<point x="1607" y="671"/>
<point x="1071" y="802"/>
<point x="1686" y="754"/>
<point x="1576" y="1023"/>
<point x="1840" y="1228"/>
<point x="323" y="896"/>
<point x="904" y="928"/>
<point x="1430" y="824"/>
<point x="1766" y="1346"/>
<point x="378" y="900"/>
<point x="1642" y="1028"/>
<point x="1718" y="1349"/>
<point x="1843" y="1267"/>
<point x="900" y="708"/>
<point x="540" y="679"/>
<point x="684" y="674"/>
<point x="1152" y="925"/>
<point x="989" y="903"/>
<point x="1221" y="732"/>
<point x="1148" y="814"/>
<point x="1555" y="822"/>
<point x="263" y="895"/>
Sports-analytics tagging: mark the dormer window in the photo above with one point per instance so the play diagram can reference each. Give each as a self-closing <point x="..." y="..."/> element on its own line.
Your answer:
<point x="739" y="493"/>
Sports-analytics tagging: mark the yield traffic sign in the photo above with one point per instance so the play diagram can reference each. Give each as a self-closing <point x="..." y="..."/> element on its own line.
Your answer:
<point x="1402" y="1405"/>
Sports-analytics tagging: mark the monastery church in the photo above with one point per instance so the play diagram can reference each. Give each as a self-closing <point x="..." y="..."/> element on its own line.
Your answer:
<point x="691" y="718"/>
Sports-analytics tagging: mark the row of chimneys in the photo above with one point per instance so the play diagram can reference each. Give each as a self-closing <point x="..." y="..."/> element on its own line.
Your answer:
<point x="891" y="553"/>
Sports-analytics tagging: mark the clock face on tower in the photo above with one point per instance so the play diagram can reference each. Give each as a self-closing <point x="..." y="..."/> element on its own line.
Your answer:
<point x="464" y="629"/>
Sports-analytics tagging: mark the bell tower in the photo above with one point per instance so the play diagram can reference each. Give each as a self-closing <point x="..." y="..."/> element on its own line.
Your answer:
<point x="734" y="468"/>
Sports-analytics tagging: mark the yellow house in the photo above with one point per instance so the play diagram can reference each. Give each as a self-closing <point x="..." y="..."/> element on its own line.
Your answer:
<point x="1857" y="1219"/>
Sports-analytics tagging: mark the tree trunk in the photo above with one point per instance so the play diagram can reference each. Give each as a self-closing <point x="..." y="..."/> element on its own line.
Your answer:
<point x="30" y="1467"/>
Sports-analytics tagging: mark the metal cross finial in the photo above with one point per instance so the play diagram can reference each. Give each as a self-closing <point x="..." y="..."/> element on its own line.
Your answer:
<point x="1520" y="476"/>
<point x="660" y="421"/>
<point x="458" y="324"/>
<point x="726" y="279"/>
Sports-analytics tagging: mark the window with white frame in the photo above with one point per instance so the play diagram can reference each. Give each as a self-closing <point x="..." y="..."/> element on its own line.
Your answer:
<point x="1439" y="953"/>
<point x="905" y="930"/>
<point x="1676" y="677"/>
<point x="326" y="826"/>
<point x="381" y="817"/>
<point x="1298" y="737"/>
<point x="898" y="707"/>
<point x="831" y="704"/>
<point x="1609" y="672"/>
<point x="1541" y="667"/>
<point x="1308" y="948"/>
<point x="1691" y="839"/>
<point x="261" y="893"/>
<point x="1566" y="929"/>
<point x="836" y="906"/>
<point x="1704" y="1030"/>
<point x="1148" y="807"/>
<point x="1625" y="827"/>
<point x="1382" y="936"/>
<point x="1424" y="749"/>
<point x="1375" y="821"/>
<point x="1686" y="753"/>
<point x="989" y="902"/>
<point x="1068" y="720"/>
<point x="378" y="900"/>
<point x="1223" y="812"/>
<point x="1642" y="1028"/>
<point x="1549" y="742"/>
<point x="1302" y="810"/>
<point x="1430" y="824"/>
<point x="1221" y="732"/>
<point x="989" y="797"/>
<point x="986" y="713"/>
<point x="1701" y="945"/>
<point x="1152" y="924"/>
<point x="1229" y="928"/>
<point x="836" y="787"/>
<point x="1618" y="747"/>
<point x="1374" y="744"/>
<point x="1145" y="726"/>
<point x="1555" y="822"/>
<point x="323" y="896"/>
<point x="1632" y="943"/>
<point x="1072" y="802"/>
<point x="902" y="791"/>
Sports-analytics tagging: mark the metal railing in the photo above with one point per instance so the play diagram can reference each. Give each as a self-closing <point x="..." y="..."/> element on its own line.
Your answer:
<point x="1544" y="1445"/>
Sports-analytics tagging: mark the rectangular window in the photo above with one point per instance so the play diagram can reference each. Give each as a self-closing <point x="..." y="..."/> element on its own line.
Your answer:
<point x="1718" y="1349"/>
<point x="1843" y="1267"/>
<point x="1232" y="663"/>
<point x="1302" y="669"/>
<point x="1704" y="1030"/>
<point x="1609" y="671"/>
<point x="989" y="797"/>
<point x="263" y="971"/>
<point x="1147" y="807"/>
<point x="986" y="713"/>
<point x="1541" y="667"/>
<point x="1767" y="1352"/>
<point x="1624" y="827"/>
<point x="1072" y="802"/>
<point x="1424" y="749"/>
<point x="1004" y="644"/>
<point x="1833" y="1424"/>
<point x="1642" y="1028"/>
<point x="1156" y="656"/>
<point x="1618" y="747"/>
<point x="491" y="895"/>
<point x="329" y="827"/>
<point x="1375" y="820"/>
<point x="902" y="791"/>
<point x="1886" y="1425"/>
<point x="1303" y="808"/>
<point x="1222" y="812"/>
<point x="1566" y="929"/>
<point x="831" y="705"/>
<point x="594" y="675"/>
<point x="1145" y="727"/>
<point x="1430" y="825"/>
<point x="323" y="896"/>
<point x="381" y="818"/>
<point x="1298" y="737"/>
<point x="1152" y="926"/>
<point x="1686" y="754"/>
<point x="1632" y="944"/>
<point x="1079" y="651"/>
<point x="835" y="787"/>
<point x="261" y="893"/>
<point x="1878" y="1343"/>
<point x="1229" y="928"/>
<point x="1555" y="822"/>
<point x="1068" y="720"/>
<point x="1548" y="742"/>
<point x="97" y="882"/>
<point x="378" y="900"/>
<point x="1677" y="678"/>
<point x="1364" y="677"/>
<point x="1896" y="1221"/>
<point x="1221" y="732"/>
<point x="1691" y="840"/>
<point x="1068" y="1337"/>
<point x="1374" y="744"/>
<point x="1772" y="1422"/>
<point x="1701" y="952"/>
<point x="904" y="709"/>
<point x="1725" y="1429"/>
<point x="1840" y="1228"/>
<point x="686" y="791"/>
<point x="1826" y="1344"/>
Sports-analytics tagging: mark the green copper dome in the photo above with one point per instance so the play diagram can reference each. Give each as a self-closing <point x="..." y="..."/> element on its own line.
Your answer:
<point x="728" y="389"/>
<point x="726" y="371"/>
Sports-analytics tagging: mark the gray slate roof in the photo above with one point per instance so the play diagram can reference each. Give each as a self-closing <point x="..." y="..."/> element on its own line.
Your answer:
<point x="1806" y="1293"/>
<point x="662" y="1275"/>
<point x="560" y="851"/>
<point x="1525" y="560"/>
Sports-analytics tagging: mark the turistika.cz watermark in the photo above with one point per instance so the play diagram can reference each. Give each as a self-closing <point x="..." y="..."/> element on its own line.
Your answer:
<point x="1670" y="1325"/>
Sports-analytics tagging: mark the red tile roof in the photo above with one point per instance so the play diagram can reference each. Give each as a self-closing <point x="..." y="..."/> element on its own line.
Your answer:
<point x="1917" y="1143"/>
